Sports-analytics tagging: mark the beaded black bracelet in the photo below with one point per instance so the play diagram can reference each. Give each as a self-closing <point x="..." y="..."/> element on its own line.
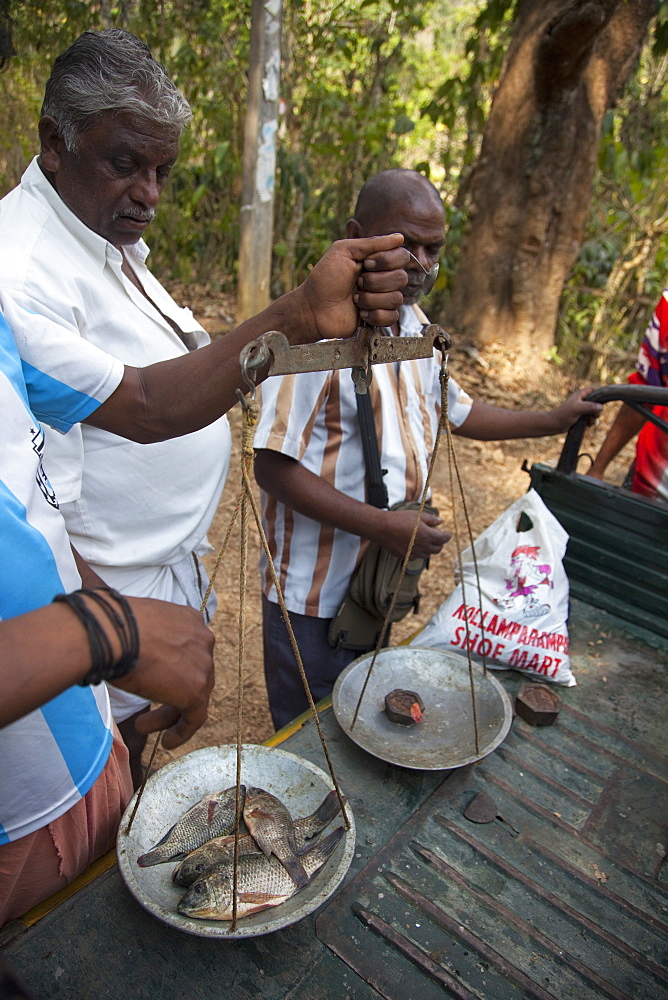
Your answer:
<point x="104" y="666"/>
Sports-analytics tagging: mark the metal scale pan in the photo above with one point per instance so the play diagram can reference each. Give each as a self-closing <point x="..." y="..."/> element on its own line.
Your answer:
<point x="445" y="737"/>
<point x="173" y="789"/>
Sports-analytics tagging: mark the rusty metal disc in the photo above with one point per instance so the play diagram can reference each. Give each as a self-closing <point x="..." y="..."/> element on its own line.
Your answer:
<point x="445" y="737"/>
<point x="482" y="808"/>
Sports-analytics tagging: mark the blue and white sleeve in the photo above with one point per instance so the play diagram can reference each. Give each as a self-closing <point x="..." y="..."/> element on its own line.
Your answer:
<point x="66" y="377"/>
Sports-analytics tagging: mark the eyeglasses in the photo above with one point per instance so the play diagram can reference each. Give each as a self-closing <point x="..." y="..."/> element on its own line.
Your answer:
<point x="430" y="276"/>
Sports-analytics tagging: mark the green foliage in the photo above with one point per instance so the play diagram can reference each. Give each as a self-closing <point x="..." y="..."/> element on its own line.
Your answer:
<point x="622" y="266"/>
<point x="477" y="35"/>
<point x="356" y="79"/>
<point x="349" y="83"/>
<point x="461" y="102"/>
<point x="352" y="90"/>
<point x="367" y="84"/>
<point x="204" y="44"/>
<point x="660" y="46"/>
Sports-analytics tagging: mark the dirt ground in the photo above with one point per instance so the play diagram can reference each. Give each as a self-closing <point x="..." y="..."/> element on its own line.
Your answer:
<point x="492" y="478"/>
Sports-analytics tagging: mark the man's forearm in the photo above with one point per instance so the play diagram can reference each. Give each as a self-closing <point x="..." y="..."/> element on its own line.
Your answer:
<point x="355" y="278"/>
<point x="182" y="395"/>
<point x="289" y="482"/>
<point x="625" y="426"/>
<point x="43" y="653"/>
<point x="492" y="423"/>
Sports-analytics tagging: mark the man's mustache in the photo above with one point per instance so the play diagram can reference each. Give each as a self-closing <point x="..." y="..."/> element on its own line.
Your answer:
<point x="134" y="213"/>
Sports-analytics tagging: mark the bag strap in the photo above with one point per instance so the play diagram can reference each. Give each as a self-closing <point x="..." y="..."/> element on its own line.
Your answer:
<point x="377" y="490"/>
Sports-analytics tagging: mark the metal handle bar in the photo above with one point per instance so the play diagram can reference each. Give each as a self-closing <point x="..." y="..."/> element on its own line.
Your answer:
<point x="638" y="397"/>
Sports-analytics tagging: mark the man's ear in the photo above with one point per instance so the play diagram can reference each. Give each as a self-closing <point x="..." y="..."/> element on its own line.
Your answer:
<point x="353" y="230"/>
<point x="52" y="144"/>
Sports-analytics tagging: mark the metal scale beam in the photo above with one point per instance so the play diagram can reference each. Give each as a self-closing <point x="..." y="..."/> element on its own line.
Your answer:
<point x="369" y="346"/>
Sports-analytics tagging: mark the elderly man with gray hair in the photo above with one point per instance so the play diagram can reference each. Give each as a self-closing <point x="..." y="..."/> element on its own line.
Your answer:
<point x="71" y="252"/>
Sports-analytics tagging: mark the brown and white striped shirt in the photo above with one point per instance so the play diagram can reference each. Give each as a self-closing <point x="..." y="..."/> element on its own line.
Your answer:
<point x="312" y="417"/>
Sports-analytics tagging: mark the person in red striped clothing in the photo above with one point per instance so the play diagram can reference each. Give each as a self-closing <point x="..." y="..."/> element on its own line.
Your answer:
<point x="650" y="469"/>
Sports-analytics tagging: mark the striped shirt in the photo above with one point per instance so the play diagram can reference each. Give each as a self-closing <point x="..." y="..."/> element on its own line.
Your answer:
<point x="312" y="417"/>
<point x="651" y="467"/>
<point x="51" y="757"/>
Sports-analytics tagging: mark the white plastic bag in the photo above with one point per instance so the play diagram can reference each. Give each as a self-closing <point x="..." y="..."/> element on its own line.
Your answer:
<point x="520" y="618"/>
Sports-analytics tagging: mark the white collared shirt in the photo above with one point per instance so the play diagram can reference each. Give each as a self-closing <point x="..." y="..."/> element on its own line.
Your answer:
<point x="125" y="504"/>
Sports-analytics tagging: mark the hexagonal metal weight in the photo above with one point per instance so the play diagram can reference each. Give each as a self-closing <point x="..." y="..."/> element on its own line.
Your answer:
<point x="537" y="704"/>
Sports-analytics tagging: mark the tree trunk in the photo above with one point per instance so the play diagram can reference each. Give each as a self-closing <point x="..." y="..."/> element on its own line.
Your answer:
<point x="259" y="165"/>
<point x="530" y="190"/>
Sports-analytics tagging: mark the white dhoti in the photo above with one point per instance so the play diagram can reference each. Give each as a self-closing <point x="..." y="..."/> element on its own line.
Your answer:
<point x="184" y="583"/>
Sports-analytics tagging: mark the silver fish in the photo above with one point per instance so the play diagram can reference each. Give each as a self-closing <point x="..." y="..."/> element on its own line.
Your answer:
<point x="222" y="848"/>
<point x="272" y="829"/>
<point x="261" y="883"/>
<point x="212" y="816"/>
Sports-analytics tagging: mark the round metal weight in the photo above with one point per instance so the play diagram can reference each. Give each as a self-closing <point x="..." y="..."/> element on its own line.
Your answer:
<point x="445" y="737"/>
<point x="172" y="790"/>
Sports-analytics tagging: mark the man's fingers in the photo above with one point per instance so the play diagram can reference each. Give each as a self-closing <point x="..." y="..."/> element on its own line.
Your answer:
<point x="434" y="544"/>
<point x="361" y="248"/>
<point x="177" y="735"/>
<point x="369" y="300"/>
<point x="388" y="260"/>
<point x="178" y="726"/>
<point x="433" y="520"/>
<point x="588" y="406"/>
<point x="157" y="719"/>
<point x="186" y="727"/>
<point x="382" y="281"/>
<point x="430" y="546"/>
<point x="379" y="317"/>
<point x="437" y="539"/>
